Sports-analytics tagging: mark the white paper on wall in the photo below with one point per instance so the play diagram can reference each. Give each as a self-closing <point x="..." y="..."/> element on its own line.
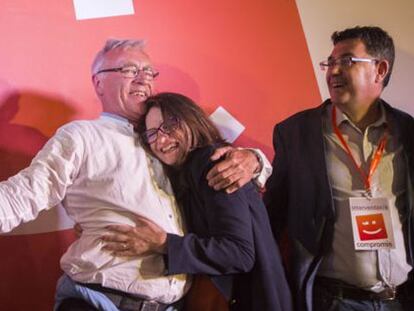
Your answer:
<point x="228" y="125"/>
<point x="86" y="9"/>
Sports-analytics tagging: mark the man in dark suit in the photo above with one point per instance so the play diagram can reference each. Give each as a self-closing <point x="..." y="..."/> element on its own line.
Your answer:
<point x="341" y="193"/>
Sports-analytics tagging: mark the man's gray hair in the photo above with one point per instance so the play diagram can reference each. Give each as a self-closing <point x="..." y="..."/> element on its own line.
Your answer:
<point x="112" y="44"/>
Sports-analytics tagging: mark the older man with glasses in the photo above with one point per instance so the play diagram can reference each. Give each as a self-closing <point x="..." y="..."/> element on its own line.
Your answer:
<point x="341" y="192"/>
<point x="102" y="176"/>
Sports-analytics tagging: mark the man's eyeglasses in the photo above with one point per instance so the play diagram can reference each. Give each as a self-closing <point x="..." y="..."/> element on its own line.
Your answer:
<point x="132" y="72"/>
<point x="344" y="62"/>
<point x="167" y="127"/>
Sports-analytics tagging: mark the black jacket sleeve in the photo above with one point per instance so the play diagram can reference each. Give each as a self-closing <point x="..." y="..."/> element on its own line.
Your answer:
<point x="227" y="246"/>
<point x="276" y="194"/>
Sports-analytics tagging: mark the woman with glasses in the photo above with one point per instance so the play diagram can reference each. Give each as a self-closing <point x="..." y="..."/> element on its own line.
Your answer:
<point x="229" y="243"/>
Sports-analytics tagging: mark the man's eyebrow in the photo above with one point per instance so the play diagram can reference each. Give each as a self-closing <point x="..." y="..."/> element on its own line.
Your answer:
<point x="348" y="54"/>
<point x="129" y="64"/>
<point x="147" y="67"/>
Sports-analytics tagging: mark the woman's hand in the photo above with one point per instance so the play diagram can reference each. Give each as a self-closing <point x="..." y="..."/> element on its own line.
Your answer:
<point x="126" y="241"/>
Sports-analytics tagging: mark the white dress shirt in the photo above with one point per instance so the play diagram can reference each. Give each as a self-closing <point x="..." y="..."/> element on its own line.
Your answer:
<point x="102" y="176"/>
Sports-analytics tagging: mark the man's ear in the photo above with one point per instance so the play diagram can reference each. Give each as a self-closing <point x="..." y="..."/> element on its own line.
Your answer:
<point x="98" y="84"/>
<point x="383" y="68"/>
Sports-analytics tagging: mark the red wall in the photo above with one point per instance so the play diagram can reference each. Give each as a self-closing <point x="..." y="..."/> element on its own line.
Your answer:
<point x="248" y="56"/>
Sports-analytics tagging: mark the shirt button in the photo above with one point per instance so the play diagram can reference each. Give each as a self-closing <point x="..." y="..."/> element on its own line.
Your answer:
<point x="169" y="215"/>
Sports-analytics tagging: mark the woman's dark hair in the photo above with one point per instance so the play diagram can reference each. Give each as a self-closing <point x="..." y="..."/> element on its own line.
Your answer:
<point x="203" y="131"/>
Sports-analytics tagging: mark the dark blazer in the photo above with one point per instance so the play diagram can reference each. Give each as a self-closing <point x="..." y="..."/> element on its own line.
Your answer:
<point x="299" y="199"/>
<point x="229" y="239"/>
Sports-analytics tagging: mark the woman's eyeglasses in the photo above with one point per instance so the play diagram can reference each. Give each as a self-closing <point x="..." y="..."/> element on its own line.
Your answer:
<point x="167" y="127"/>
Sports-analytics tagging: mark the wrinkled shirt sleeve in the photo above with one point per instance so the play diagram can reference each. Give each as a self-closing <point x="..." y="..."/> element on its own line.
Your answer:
<point x="43" y="184"/>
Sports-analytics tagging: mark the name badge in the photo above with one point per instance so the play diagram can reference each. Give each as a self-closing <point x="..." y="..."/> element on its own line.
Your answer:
<point x="371" y="223"/>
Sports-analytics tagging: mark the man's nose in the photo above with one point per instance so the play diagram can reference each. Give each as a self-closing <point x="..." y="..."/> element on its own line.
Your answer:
<point x="143" y="76"/>
<point x="334" y="69"/>
<point x="143" y="80"/>
<point x="140" y="79"/>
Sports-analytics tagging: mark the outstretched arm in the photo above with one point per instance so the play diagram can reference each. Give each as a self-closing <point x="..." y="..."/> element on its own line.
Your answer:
<point x="43" y="184"/>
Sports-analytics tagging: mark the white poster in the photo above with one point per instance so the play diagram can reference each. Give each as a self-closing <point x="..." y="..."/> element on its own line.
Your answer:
<point x="86" y="9"/>
<point x="229" y="127"/>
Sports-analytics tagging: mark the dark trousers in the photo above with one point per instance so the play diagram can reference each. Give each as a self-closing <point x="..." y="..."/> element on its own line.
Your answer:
<point x="326" y="298"/>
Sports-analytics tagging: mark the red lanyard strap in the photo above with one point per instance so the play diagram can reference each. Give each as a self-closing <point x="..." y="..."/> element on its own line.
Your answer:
<point x="366" y="178"/>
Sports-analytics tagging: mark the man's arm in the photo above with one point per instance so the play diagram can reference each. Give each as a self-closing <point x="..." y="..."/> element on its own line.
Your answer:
<point x="237" y="167"/>
<point x="40" y="186"/>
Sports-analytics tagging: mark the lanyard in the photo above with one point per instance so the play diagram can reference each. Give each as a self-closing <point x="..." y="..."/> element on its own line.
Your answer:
<point x="366" y="178"/>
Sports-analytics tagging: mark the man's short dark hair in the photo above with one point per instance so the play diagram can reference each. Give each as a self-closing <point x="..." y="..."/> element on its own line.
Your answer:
<point x="377" y="41"/>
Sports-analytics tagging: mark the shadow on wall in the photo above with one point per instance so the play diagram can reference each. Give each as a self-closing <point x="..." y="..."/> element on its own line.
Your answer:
<point x="30" y="259"/>
<point x="18" y="144"/>
<point x="400" y="92"/>
<point x="27" y="120"/>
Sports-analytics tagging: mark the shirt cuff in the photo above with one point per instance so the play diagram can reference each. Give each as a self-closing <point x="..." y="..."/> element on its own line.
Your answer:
<point x="266" y="169"/>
